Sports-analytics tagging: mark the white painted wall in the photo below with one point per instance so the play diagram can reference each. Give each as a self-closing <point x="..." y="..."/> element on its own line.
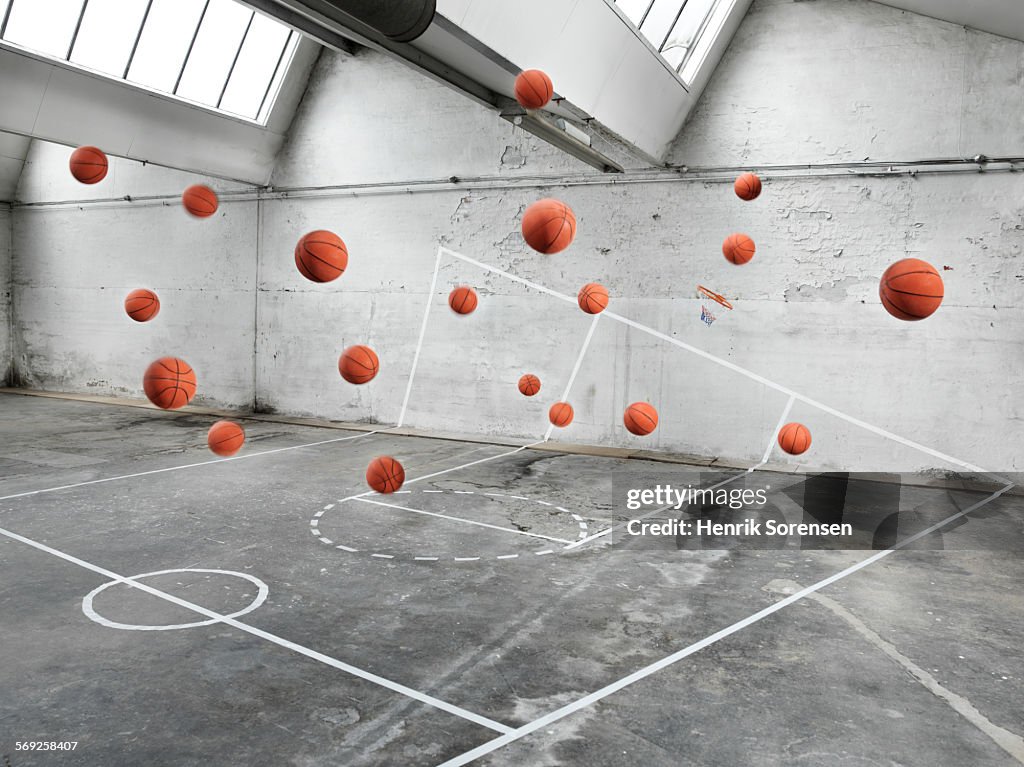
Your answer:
<point x="807" y="315"/>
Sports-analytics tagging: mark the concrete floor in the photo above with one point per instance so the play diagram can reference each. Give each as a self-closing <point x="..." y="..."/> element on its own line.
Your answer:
<point x="913" y="660"/>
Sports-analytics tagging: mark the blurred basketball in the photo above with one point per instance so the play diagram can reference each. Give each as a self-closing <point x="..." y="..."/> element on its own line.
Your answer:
<point x="911" y="289"/>
<point x="358" y="364"/>
<point x="640" y="418"/>
<point x="529" y="385"/>
<point x="549" y="226"/>
<point x="200" y="201"/>
<point x="593" y="298"/>
<point x="142" y="305"/>
<point x="225" y="438"/>
<point x="321" y="256"/>
<point x="560" y="414"/>
<point x="462" y="300"/>
<point x="385" y="474"/>
<point x="794" y="438"/>
<point x="169" y="383"/>
<point x="738" y="248"/>
<point x="533" y="89"/>
<point x="747" y="186"/>
<point x="88" y="164"/>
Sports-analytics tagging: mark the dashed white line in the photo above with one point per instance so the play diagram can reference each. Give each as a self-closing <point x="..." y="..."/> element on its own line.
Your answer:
<point x="347" y="548"/>
<point x="507" y="556"/>
<point x="426" y="559"/>
<point x="382" y="556"/>
<point x="466" y="559"/>
<point x="542" y="553"/>
<point x="328" y="541"/>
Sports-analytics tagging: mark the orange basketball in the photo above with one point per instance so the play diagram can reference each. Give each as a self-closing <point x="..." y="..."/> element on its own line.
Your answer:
<point x="549" y="226"/>
<point x="747" y="186"/>
<point x="358" y="364"/>
<point x="593" y="298"/>
<point x="321" y="256"/>
<point x="462" y="300"/>
<point x="738" y="248"/>
<point x="794" y="438"/>
<point x="533" y="89"/>
<point x="560" y="414"/>
<point x="142" y="305"/>
<point x="88" y="164"/>
<point x="529" y="385"/>
<point x="640" y="418"/>
<point x="200" y="201"/>
<point x="225" y="438"/>
<point x="169" y="383"/>
<point x="911" y="289"/>
<point x="385" y="474"/>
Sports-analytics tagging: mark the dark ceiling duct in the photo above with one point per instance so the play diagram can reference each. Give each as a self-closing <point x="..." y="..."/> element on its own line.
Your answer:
<point x="398" y="20"/>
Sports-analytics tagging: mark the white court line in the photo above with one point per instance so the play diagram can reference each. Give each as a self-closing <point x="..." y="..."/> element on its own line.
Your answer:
<point x="575" y="370"/>
<point x="731" y="366"/>
<point x="419" y="344"/>
<point x="191" y="465"/>
<point x="774" y="435"/>
<point x="675" y="657"/>
<point x="279" y="641"/>
<point x="461" y="519"/>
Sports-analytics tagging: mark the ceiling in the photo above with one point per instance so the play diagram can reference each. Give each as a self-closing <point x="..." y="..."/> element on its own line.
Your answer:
<point x="1000" y="17"/>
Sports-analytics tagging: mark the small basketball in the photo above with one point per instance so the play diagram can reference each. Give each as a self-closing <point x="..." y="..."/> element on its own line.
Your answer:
<point x="385" y="474"/>
<point x="321" y="256"/>
<point x="748" y="187"/>
<point x="738" y="248"/>
<point x="225" y="438"/>
<point x="142" y="305"/>
<point x="463" y="300"/>
<point x="794" y="438"/>
<point x="88" y="165"/>
<point x="911" y="289"/>
<point x="560" y="414"/>
<point x="169" y="383"/>
<point x="358" y="364"/>
<point x="640" y="419"/>
<point x="593" y="298"/>
<point x="529" y="385"/>
<point x="200" y="201"/>
<point x="549" y="226"/>
<point x="533" y="89"/>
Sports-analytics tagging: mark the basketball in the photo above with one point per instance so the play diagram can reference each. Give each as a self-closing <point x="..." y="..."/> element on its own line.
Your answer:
<point x="560" y="414"/>
<point x="200" y="201"/>
<point x="549" y="226"/>
<point x="169" y="383"/>
<point x="321" y="256"/>
<point x="747" y="187"/>
<point x="462" y="300"/>
<point x="738" y="248"/>
<point x="88" y="165"/>
<point x="385" y="474"/>
<point x="142" y="305"/>
<point x="593" y="298"/>
<point x="533" y="89"/>
<point x="529" y="385"/>
<point x="358" y="364"/>
<point x="911" y="289"/>
<point x="794" y="438"/>
<point x="225" y="438"/>
<point x="640" y="418"/>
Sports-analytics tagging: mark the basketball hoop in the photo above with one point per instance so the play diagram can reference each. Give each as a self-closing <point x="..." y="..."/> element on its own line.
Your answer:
<point x="707" y="316"/>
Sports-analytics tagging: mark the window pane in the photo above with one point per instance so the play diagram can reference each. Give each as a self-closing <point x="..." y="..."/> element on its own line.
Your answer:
<point x="107" y="34"/>
<point x="275" y="85"/>
<point x="659" y="20"/>
<point x="255" y="67"/>
<point x="164" y="43"/>
<point x="685" y="31"/>
<point x="45" y="27"/>
<point x="215" y="49"/>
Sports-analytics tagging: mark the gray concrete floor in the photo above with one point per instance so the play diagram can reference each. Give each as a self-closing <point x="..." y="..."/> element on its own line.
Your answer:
<point x="876" y="669"/>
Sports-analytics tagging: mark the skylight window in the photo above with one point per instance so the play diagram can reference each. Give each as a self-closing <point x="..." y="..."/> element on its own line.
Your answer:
<point x="675" y="28"/>
<point x="217" y="53"/>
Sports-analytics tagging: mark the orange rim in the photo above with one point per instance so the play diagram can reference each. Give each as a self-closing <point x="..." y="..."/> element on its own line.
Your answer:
<point x="714" y="296"/>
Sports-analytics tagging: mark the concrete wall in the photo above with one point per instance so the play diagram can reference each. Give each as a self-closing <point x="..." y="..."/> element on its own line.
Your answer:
<point x="804" y="82"/>
<point x="5" y="292"/>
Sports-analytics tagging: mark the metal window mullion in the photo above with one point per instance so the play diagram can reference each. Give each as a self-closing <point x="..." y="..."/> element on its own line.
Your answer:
<point x="78" y="27"/>
<point x="646" y="13"/>
<point x="234" y="61"/>
<point x="700" y="33"/>
<point x="671" y="29"/>
<point x="135" y="45"/>
<point x="7" y="16"/>
<point x="270" y="82"/>
<point x="191" y="45"/>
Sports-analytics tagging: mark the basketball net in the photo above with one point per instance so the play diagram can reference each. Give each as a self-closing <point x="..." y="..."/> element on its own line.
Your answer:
<point x="707" y="316"/>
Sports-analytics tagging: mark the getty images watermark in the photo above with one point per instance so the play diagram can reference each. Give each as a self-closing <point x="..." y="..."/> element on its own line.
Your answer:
<point x="669" y="508"/>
